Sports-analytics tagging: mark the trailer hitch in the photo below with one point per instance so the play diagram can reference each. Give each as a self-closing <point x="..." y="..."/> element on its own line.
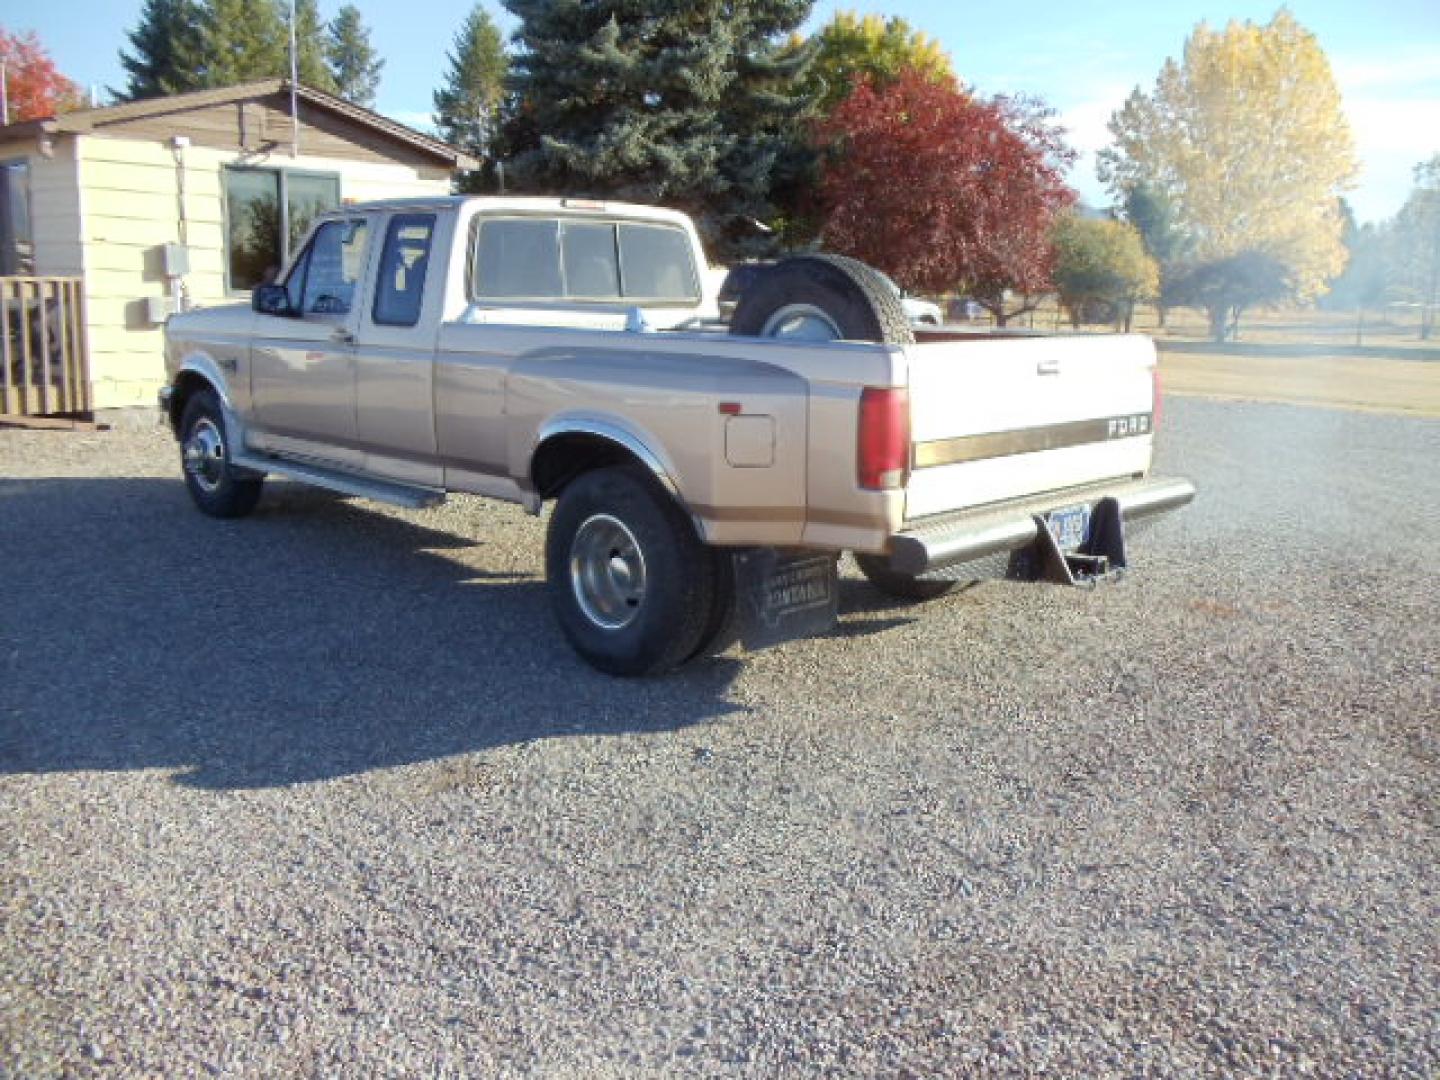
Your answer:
<point x="1099" y="557"/>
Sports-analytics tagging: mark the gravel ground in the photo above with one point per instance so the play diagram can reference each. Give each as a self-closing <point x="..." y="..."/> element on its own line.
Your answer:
<point x="323" y="793"/>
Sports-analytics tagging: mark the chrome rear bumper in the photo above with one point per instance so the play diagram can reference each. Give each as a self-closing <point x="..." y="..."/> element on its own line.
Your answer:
<point x="948" y="539"/>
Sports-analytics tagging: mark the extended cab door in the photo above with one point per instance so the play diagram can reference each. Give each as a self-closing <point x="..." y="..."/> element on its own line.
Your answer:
<point x="303" y="364"/>
<point x="395" y="352"/>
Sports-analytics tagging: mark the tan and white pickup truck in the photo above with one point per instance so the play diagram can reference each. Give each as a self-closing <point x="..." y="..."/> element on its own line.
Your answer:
<point x="705" y="477"/>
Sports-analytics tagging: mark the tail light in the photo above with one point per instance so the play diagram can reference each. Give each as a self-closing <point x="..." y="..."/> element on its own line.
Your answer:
<point x="883" y="460"/>
<point x="1155" y="398"/>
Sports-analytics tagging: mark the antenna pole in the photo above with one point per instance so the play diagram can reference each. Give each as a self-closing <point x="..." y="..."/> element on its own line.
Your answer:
<point x="294" y="92"/>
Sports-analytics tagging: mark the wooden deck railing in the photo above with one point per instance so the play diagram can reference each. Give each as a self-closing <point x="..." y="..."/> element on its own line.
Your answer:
<point x="44" y="356"/>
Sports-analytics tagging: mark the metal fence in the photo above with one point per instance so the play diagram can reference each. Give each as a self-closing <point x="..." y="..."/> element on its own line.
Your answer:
<point x="44" y="356"/>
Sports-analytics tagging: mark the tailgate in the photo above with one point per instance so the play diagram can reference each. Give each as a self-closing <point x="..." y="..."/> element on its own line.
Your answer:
<point x="1003" y="418"/>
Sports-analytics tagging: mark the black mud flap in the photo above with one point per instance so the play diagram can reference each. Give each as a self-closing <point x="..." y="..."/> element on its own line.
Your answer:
<point x="782" y="595"/>
<point x="1099" y="556"/>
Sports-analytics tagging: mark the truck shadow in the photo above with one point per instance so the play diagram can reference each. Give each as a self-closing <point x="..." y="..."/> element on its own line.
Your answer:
<point x="317" y="639"/>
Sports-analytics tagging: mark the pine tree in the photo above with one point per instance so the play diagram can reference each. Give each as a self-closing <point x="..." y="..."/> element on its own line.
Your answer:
<point x="354" y="66"/>
<point x="310" y="47"/>
<point x="167" y="46"/>
<point x="243" y="40"/>
<point x="661" y="101"/>
<point x="468" y="104"/>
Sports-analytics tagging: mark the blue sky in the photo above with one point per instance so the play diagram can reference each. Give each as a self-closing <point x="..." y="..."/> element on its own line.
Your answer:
<point x="1082" y="58"/>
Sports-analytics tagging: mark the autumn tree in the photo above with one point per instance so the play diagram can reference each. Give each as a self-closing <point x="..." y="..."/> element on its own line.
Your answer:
<point x="1417" y="244"/>
<point x="34" y="87"/>
<point x="693" y="104"/>
<point x="853" y="47"/>
<point x="1246" y="140"/>
<point x="1101" y="263"/>
<point x="166" y="50"/>
<point x="354" y="65"/>
<point x="945" y="191"/>
<point x="468" y="102"/>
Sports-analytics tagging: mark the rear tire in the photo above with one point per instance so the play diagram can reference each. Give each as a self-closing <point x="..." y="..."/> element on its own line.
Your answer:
<point x="822" y="298"/>
<point x="876" y="569"/>
<point x="216" y="486"/>
<point x="630" y="582"/>
<point x="722" y="629"/>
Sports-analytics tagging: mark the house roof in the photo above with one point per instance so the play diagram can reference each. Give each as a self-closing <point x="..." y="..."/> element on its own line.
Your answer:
<point x="84" y="121"/>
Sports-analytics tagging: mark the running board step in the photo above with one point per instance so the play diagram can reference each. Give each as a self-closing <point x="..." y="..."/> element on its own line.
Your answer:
<point x="410" y="496"/>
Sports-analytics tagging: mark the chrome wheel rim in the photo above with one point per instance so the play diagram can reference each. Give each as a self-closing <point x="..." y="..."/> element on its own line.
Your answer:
<point x="801" y="322"/>
<point x="607" y="572"/>
<point x="204" y="454"/>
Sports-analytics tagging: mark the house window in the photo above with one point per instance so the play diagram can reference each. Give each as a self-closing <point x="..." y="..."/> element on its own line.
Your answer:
<point x="267" y="213"/>
<point x="17" y="246"/>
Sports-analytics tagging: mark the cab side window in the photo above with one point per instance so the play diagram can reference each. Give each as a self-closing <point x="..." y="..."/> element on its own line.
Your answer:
<point x="323" y="282"/>
<point x="404" y="261"/>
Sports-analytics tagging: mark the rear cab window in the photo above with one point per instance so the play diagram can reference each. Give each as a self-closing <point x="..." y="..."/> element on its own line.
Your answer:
<point x="583" y="261"/>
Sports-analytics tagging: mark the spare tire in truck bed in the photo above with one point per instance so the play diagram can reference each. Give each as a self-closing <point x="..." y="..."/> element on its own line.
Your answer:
<point x="822" y="298"/>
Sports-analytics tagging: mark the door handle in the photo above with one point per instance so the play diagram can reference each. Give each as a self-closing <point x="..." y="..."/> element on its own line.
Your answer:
<point x="343" y="336"/>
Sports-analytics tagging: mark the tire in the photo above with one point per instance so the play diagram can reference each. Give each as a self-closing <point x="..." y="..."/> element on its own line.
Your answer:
<point x="629" y="581"/>
<point x="822" y="298"/>
<point x="876" y="569"/>
<point x="722" y="629"/>
<point x="217" y="487"/>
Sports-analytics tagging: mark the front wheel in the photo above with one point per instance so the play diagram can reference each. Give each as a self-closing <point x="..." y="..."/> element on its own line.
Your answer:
<point x="876" y="569"/>
<point x="213" y="482"/>
<point x="630" y="582"/>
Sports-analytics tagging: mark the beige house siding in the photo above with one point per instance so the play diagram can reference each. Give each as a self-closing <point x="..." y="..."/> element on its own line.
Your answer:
<point x="132" y="206"/>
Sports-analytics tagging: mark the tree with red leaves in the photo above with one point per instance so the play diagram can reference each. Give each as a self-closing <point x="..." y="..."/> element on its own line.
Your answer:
<point x="34" y="87"/>
<point x="945" y="191"/>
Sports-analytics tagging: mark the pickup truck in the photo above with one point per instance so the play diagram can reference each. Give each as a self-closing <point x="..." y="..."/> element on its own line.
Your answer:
<point x="704" y="477"/>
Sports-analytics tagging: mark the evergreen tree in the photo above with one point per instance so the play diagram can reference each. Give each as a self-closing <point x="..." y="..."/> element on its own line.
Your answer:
<point x="1154" y="215"/>
<point x="310" y="47"/>
<point x="689" y="104"/>
<point x="243" y="40"/>
<point x="468" y="104"/>
<point x="354" y="65"/>
<point x="167" y="46"/>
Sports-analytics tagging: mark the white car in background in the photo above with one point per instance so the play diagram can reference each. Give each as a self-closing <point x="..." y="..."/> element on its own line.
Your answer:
<point x="922" y="314"/>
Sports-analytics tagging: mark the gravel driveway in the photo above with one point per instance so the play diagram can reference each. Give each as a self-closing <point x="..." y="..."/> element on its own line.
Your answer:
<point x="323" y="793"/>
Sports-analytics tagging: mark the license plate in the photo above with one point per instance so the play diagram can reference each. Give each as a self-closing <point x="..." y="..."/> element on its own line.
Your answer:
<point x="1069" y="526"/>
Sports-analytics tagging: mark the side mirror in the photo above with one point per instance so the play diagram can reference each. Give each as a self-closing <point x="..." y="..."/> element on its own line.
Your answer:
<point x="271" y="300"/>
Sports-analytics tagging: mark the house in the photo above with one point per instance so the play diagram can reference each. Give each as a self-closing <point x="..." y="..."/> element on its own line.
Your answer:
<point x="185" y="200"/>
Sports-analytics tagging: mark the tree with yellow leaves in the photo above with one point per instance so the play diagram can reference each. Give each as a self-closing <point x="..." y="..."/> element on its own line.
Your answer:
<point x="854" y="47"/>
<point x="1102" y="264"/>
<point x="1246" y="139"/>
